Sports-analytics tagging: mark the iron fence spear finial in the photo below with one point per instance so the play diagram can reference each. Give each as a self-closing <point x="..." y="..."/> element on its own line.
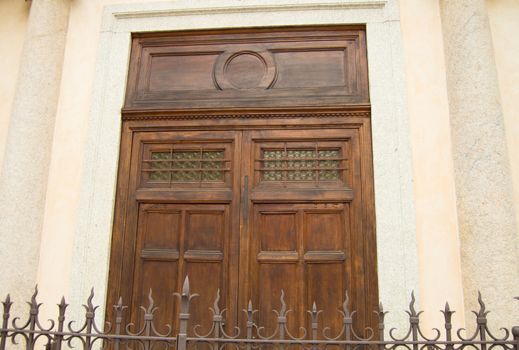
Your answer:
<point x="5" y="322"/>
<point x="218" y="338"/>
<point x="447" y="314"/>
<point x="515" y="333"/>
<point x="183" y="316"/>
<point x="381" y="325"/>
<point x="118" y="308"/>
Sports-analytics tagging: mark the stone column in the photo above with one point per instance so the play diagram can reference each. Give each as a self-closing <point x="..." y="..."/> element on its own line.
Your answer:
<point x="488" y="228"/>
<point x="24" y="172"/>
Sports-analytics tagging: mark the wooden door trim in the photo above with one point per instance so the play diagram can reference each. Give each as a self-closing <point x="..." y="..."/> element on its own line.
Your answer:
<point x="346" y="111"/>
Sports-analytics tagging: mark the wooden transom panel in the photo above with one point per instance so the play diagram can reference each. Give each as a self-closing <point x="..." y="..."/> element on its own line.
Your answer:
<point x="283" y="67"/>
<point x="246" y="164"/>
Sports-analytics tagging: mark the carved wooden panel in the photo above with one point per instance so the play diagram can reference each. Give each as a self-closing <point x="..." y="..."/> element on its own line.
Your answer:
<point x="174" y="240"/>
<point x="270" y="67"/>
<point x="304" y="249"/>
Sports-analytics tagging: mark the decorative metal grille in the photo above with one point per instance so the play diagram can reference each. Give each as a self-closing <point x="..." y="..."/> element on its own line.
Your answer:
<point x="183" y="166"/>
<point x="295" y="165"/>
<point x="32" y="334"/>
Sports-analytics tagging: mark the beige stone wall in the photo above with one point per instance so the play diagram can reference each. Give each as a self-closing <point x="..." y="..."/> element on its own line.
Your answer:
<point x="427" y="106"/>
<point x="426" y="103"/>
<point x="72" y="119"/>
<point x="484" y="190"/>
<point x="434" y="192"/>
<point x="61" y="211"/>
<point x="80" y="230"/>
<point x="13" y="23"/>
<point x="504" y="24"/>
<point x="27" y="153"/>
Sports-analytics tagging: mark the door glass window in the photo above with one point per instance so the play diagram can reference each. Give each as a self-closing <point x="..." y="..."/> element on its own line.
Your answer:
<point x="301" y="165"/>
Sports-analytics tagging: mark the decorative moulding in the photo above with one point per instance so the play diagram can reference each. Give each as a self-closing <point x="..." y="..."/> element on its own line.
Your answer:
<point x="362" y="111"/>
<point x="258" y="7"/>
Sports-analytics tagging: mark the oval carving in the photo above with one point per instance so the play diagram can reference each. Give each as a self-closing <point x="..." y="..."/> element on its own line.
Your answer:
<point x="244" y="70"/>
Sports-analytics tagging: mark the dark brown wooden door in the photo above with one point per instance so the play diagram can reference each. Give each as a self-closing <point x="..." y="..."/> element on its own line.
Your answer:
<point x="249" y="213"/>
<point x="246" y="164"/>
<point x="183" y="220"/>
<point x="298" y="236"/>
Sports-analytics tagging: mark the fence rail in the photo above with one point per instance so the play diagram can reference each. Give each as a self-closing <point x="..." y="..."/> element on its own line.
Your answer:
<point x="31" y="335"/>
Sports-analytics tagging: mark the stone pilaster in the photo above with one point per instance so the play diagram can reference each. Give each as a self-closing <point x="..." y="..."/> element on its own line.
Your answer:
<point x="488" y="228"/>
<point x="23" y="179"/>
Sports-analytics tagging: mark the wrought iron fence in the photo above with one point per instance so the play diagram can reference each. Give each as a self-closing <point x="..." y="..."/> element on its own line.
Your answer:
<point x="118" y="336"/>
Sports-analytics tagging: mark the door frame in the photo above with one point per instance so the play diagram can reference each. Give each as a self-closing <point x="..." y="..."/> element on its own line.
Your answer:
<point x="391" y="144"/>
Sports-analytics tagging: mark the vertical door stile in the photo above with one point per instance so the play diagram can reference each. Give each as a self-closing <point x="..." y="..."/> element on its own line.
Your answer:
<point x="301" y="307"/>
<point x="235" y="237"/>
<point x="245" y="166"/>
<point x="181" y="267"/>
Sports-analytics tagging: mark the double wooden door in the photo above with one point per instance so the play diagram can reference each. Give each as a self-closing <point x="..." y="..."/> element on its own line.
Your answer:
<point x="248" y="212"/>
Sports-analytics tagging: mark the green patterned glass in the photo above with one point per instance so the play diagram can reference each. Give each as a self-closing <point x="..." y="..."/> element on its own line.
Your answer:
<point x="301" y="165"/>
<point x="187" y="166"/>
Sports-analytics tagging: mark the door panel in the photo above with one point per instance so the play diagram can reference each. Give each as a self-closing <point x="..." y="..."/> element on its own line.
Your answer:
<point x="157" y="258"/>
<point x="177" y="240"/>
<point x="274" y="263"/>
<point x="304" y="250"/>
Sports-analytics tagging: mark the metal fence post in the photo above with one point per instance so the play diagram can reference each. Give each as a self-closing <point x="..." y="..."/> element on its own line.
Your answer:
<point x="58" y="340"/>
<point x="118" y="308"/>
<point x="183" y="316"/>
<point x="34" y="309"/>
<point x="314" y="314"/>
<point x="3" y="335"/>
<point x="515" y="332"/>
<point x="250" y="323"/>
<point x="145" y="336"/>
<point x="481" y="319"/>
<point x="89" y="320"/>
<point x="447" y="314"/>
<point x="381" y="326"/>
<point x="282" y="319"/>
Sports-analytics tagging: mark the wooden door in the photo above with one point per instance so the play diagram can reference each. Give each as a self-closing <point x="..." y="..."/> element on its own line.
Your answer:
<point x="182" y="220"/>
<point x="249" y="213"/>
<point x="300" y="236"/>
<point x="246" y="164"/>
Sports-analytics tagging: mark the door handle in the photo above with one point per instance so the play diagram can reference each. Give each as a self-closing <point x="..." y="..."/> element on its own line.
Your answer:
<point x="245" y="200"/>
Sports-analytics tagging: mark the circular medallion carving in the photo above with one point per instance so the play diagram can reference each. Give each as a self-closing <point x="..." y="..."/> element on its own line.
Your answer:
<point x="245" y="70"/>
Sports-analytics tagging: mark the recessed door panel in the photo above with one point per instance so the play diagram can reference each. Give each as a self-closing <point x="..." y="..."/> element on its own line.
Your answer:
<point x="304" y="250"/>
<point x="176" y="240"/>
